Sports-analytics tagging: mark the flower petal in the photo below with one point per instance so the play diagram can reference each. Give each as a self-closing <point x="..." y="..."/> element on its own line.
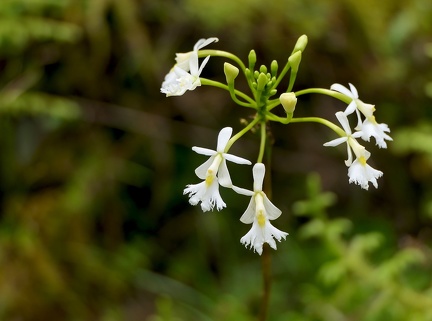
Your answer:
<point x="336" y="142"/>
<point x="193" y="63"/>
<point x="182" y="60"/>
<point x="348" y="162"/>
<point x="354" y="91"/>
<point x="254" y="238"/>
<point x="201" y="171"/>
<point x="361" y="174"/>
<point x="258" y="235"/>
<point x="204" y="42"/>
<point x="223" y="138"/>
<point x="258" y="175"/>
<point x="343" y="120"/>
<point x="359" y="120"/>
<point x="352" y="106"/>
<point x="236" y="159"/>
<point x="366" y="109"/>
<point x="249" y="215"/>
<point x="223" y="175"/>
<point x="342" y="90"/>
<point x="212" y="198"/>
<point x="378" y="131"/>
<point x="272" y="211"/>
<point x="201" y="67"/>
<point x="195" y="191"/>
<point x="242" y="191"/>
<point x="204" y="151"/>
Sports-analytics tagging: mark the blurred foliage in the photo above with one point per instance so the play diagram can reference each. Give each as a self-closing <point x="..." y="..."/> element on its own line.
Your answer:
<point x="93" y="223"/>
<point x="355" y="281"/>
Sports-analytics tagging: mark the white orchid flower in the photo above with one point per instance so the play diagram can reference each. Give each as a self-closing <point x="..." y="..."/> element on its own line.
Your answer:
<point x="182" y="59"/>
<point x="259" y="213"/>
<point x="178" y="81"/>
<point x="369" y="127"/>
<point x="350" y="138"/>
<point x="359" y="171"/>
<point x="185" y="73"/>
<point x="214" y="172"/>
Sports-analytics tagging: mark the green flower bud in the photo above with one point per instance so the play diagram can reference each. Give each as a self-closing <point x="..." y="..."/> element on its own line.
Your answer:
<point x="288" y="101"/>
<point x="273" y="92"/>
<point x="256" y="74"/>
<point x="274" y="67"/>
<point x="252" y="59"/>
<point x="231" y="72"/>
<point x="301" y="43"/>
<point x="294" y="61"/>
<point x="263" y="69"/>
<point x="262" y="81"/>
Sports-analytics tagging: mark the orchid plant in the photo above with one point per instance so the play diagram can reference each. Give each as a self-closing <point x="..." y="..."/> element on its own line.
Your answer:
<point x="264" y="85"/>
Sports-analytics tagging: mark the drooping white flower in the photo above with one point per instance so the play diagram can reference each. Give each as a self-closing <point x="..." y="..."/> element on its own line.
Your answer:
<point x="350" y="138"/>
<point x="259" y="212"/>
<point x="206" y="192"/>
<point x="182" y="59"/>
<point x="361" y="173"/>
<point x="214" y="172"/>
<point x="178" y="80"/>
<point x="185" y="73"/>
<point x="372" y="127"/>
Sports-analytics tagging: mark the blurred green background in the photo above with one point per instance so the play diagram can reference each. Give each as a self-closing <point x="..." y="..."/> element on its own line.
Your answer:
<point x="94" y="159"/>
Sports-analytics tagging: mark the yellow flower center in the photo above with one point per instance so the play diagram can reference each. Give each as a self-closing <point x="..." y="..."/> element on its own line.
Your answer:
<point x="260" y="210"/>
<point x="213" y="169"/>
<point x="372" y="120"/>
<point x="209" y="178"/>
<point x="362" y="160"/>
<point x="261" y="218"/>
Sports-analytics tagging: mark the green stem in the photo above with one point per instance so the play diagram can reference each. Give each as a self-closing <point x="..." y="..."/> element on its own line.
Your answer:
<point x="221" y="53"/>
<point x="263" y="142"/>
<point x="251" y="104"/>
<point x="293" y="77"/>
<point x="226" y="54"/>
<point x="266" y="273"/>
<point x="273" y="103"/>
<point x="282" y="74"/>
<point x="327" y="92"/>
<point x="241" y="133"/>
<point x="266" y="255"/>
<point x="323" y="121"/>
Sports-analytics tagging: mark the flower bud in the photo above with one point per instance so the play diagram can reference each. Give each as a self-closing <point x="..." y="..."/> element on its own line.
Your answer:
<point x="288" y="101"/>
<point x="294" y="61"/>
<point x="252" y="59"/>
<point x="274" y="67"/>
<point x="231" y="72"/>
<point x="301" y="43"/>
<point x="262" y="81"/>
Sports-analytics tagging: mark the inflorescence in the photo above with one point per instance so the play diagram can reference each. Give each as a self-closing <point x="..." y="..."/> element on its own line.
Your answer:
<point x="263" y="83"/>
